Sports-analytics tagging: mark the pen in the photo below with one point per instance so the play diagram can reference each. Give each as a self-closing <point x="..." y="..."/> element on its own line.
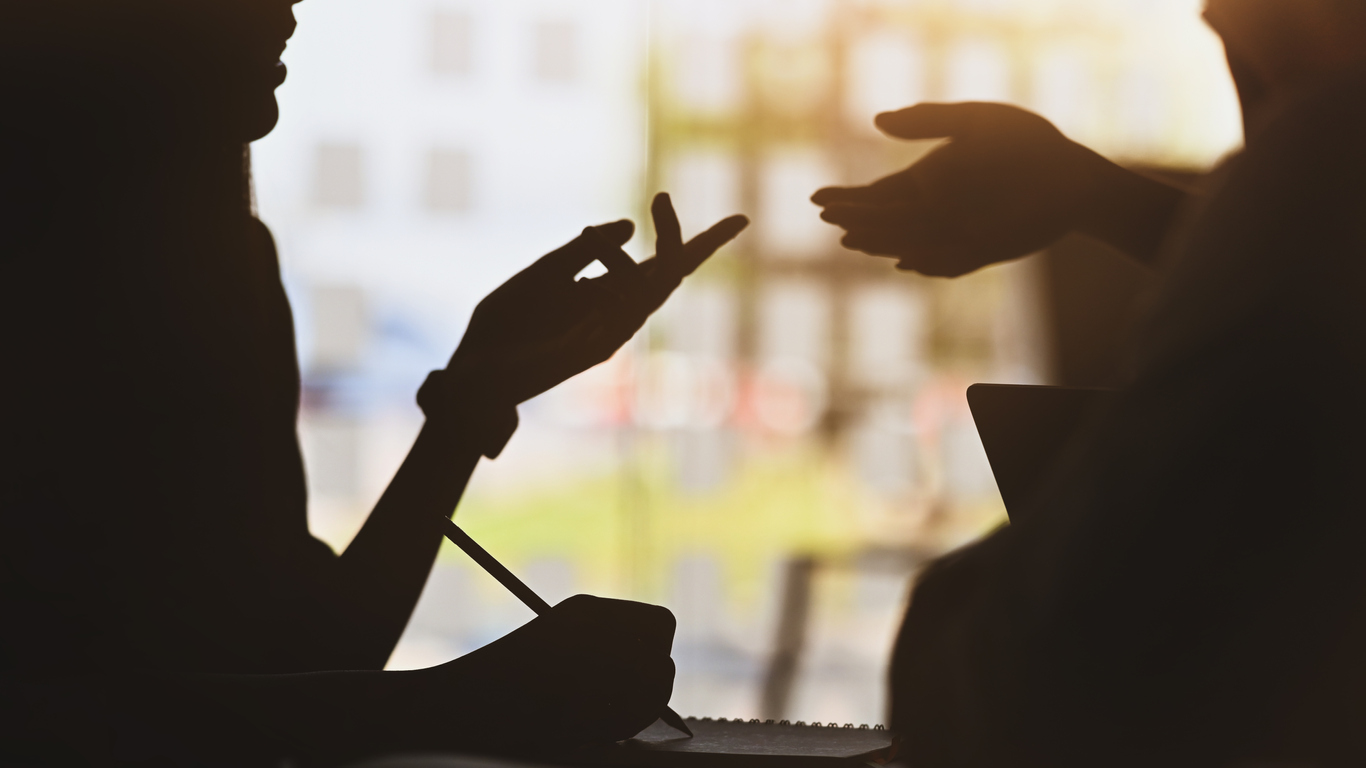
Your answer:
<point x="532" y="600"/>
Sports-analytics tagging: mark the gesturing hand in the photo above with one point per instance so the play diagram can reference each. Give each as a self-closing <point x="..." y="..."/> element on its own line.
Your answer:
<point x="542" y="326"/>
<point x="1005" y="185"/>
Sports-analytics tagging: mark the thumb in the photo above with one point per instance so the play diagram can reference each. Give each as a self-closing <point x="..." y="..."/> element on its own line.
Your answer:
<point x="931" y="121"/>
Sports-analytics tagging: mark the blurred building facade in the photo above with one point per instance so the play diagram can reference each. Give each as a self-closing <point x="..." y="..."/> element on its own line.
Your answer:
<point x="794" y="403"/>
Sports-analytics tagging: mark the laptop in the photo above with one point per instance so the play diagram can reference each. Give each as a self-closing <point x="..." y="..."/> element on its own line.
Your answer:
<point x="1025" y="429"/>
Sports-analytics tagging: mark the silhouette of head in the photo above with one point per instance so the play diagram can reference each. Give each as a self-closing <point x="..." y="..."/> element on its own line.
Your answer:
<point x="215" y="61"/>
<point x="1278" y="48"/>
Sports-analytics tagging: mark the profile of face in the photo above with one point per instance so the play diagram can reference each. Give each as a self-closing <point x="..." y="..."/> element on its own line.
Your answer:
<point x="215" y="62"/>
<point x="1277" y="48"/>
<point x="231" y="52"/>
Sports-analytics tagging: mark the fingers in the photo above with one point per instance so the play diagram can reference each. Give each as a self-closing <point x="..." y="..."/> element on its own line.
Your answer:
<point x="649" y="628"/>
<point x="837" y="195"/>
<point x="932" y="261"/>
<point x="600" y="243"/>
<point x="876" y="242"/>
<point x="625" y="270"/>
<point x="867" y="216"/>
<point x="668" y="232"/>
<point x="701" y="248"/>
<point x="932" y="121"/>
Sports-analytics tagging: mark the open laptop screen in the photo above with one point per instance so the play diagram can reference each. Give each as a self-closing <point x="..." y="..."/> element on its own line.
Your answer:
<point x="1025" y="429"/>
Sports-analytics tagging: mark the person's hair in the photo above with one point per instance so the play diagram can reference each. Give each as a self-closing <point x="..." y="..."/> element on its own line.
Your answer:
<point x="91" y="136"/>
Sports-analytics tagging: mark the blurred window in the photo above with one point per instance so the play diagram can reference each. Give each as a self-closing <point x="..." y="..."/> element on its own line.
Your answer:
<point x="886" y="335"/>
<point x="452" y="43"/>
<point x="886" y="71"/>
<point x="794" y="321"/>
<point x="331" y="445"/>
<point x="1142" y="108"/>
<point x="709" y="77"/>
<point x="978" y="71"/>
<point x="705" y="187"/>
<point x="338" y="176"/>
<point x="702" y="320"/>
<point x="1064" y="90"/>
<point x="789" y="225"/>
<point x="556" y="53"/>
<point x="450" y="182"/>
<point x="341" y="327"/>
<point x="884" y="450"/>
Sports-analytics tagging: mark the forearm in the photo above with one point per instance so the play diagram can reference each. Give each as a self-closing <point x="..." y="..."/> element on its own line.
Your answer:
<point x="1129" y="211"/>
<point x="316" y="719"/>
<point x="381" y="574"/>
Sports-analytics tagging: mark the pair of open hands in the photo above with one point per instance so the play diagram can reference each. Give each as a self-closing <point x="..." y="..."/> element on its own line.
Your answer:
<point x="1005" y="185"/>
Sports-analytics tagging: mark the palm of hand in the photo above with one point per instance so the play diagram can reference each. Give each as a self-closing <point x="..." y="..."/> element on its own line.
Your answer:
<point x="543" y="326"/>
<point x="1006" y="185"/>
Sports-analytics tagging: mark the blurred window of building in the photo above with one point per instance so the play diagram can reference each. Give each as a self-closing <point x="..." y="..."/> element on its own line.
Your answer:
<point x="703" y="459"/>
<point x="967" y="472"/>
<point x="674" y="390"/>
<point x="795" y="79"/>
<point x="452" y="43"/>
<point x="341" y="327"/>
<point x="331" y="444"/>
<point x="886" y="336"/>
<point x="884" y="448"/>
<point x="705" y="187"/>
<point x="1143" y="110"/>
<point x="450" y="181"/>
<point x="708" y="77"/>
<point x="697" y="596"/>
<point x="989" y="6"/>
<point x="886" y="71"/>
<point x="1064" y="90"/>
<point x="448" y="604"/>
<point x="978" y="70"/>
<point x="555" y="53"/>
<point x="789" y="225"/>
<point x="338" y="176"/>
<point x="794" y="321"/>
<point x="552" y="577"/>
<point x="702" y="320"/>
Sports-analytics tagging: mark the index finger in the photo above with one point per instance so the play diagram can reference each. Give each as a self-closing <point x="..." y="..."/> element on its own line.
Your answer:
<point x="571" y="258"/>
<point x="700" y="248"/>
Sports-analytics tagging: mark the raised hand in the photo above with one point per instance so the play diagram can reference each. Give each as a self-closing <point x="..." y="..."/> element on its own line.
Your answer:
<point x="1005" y="185"/>
<point x="542" y="326"/>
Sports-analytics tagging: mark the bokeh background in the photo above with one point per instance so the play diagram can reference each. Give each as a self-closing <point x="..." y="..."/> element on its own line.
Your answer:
<point x="783" y="445"/>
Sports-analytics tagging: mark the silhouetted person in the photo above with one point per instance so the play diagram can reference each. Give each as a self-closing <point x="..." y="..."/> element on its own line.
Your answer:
<point x="1192" y="590"/>
<point x="161" y="597"/>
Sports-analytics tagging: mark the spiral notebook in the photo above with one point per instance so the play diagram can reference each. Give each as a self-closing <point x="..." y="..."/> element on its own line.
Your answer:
<point x="751" y="744"/>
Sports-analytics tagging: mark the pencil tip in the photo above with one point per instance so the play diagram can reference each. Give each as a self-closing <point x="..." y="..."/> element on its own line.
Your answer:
<point x="675" y="722"/>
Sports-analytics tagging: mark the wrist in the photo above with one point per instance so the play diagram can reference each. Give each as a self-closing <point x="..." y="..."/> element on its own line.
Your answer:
<point x="1127" y="210"/>
<point x="454" y="399"/>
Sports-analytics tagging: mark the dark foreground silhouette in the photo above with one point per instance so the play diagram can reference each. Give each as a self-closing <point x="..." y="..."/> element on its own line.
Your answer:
<point x="162" y="599"/>
<point x="1192" y="590"/>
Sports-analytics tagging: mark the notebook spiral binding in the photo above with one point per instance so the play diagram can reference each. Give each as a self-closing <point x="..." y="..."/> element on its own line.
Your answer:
<point x="789" y="723"/>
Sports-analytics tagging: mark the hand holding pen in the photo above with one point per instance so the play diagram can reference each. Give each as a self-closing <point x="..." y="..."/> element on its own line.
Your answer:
<point x="627" y="671"/>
